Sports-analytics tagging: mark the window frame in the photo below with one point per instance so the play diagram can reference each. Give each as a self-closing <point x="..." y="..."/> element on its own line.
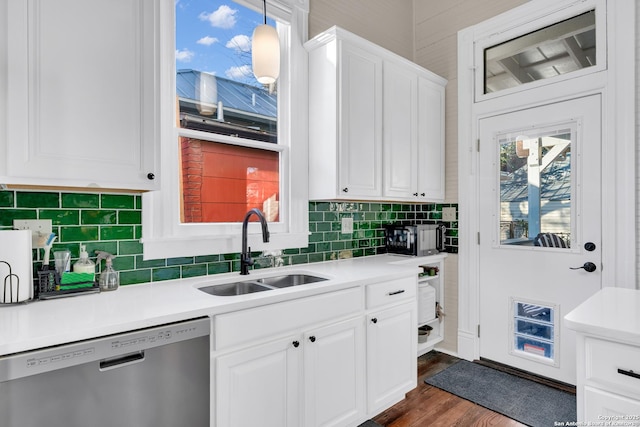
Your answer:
<point x="163" y="234"/>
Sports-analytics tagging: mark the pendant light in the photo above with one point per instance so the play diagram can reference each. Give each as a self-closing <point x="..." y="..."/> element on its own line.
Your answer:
<point x="265" y="52"/>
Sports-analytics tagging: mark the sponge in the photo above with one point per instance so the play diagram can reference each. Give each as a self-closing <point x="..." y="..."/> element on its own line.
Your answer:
<point x="77" y="278"/>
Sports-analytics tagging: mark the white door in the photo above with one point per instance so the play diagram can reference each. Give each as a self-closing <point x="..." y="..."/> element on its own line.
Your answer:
<point x="391" y="361"/>
<point x="400" y="141"/>
<point x="334" y="379"/>
<point x="360" y="125"/>
<point x="259" y="386"/>
<point x="539" y="176"/>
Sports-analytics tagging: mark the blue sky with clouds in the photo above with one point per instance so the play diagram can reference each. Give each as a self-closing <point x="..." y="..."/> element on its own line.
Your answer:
<point x="215" y="36"/>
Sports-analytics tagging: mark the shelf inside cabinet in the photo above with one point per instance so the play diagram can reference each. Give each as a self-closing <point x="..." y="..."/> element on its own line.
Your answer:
<point x="425" y="279"/>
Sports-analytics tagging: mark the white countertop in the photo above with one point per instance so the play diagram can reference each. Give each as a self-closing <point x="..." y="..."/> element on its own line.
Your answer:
<point x="39" y="324"/>
<point x="611" y="313"/>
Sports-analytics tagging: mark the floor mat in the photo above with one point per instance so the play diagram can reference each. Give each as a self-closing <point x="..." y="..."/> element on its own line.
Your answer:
<point x="518" y="398"/>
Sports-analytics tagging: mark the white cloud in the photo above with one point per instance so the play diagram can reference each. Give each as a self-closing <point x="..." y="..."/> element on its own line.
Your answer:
<point x="238" y="73"/>
<point x="184" y="55"/>
<point x="240" y="43"/>
<point x="224" y="17"/>
<point x="207" y="40"/>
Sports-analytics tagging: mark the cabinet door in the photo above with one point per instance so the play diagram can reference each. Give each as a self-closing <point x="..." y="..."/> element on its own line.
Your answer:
<point x="430" y="140"/>
<point x="81" y="93"/>
<point x="391" y="356"/>
<point x="259" y="386"/>
<point x="600" y="405"/>
<point x="360" y="123"/>
<point x="400" y="143"/>
<point x="334" y="374"/>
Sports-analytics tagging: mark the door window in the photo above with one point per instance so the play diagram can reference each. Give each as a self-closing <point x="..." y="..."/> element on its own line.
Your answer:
<point x="536" y="186"/>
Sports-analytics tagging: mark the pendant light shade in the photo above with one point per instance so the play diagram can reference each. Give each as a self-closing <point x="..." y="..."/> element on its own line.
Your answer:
<point x="265" y="52"/>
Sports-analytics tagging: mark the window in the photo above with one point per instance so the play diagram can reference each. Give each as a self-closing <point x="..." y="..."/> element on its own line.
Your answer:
<point x="231" y="142"/>
<point x="558" y="49"/>
<point x="567" y="43"/>
<point x="536" y="186"/>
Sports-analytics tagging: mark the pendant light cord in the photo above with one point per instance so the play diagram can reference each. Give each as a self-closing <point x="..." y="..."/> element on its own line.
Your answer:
<point x="265" y="12"/>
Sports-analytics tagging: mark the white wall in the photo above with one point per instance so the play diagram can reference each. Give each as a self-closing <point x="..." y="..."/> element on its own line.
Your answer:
<point x="385" y="23"/>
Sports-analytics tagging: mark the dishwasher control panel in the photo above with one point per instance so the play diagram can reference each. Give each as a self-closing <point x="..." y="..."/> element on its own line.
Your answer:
<point x="37" y="361"/>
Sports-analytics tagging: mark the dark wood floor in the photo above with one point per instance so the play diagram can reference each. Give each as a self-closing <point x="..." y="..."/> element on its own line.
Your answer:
<point x="429" y="406"/>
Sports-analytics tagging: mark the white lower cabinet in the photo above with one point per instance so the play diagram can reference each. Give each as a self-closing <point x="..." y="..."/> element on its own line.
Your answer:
<point x="608" y="383"/>
<point x="329" y="360"/>
<point x="334" y="382"/>
<point x="259" y="386"/>
<point x="391" y="360"/>
<point x="320" y="370"/>
<point x="601" y="406"/>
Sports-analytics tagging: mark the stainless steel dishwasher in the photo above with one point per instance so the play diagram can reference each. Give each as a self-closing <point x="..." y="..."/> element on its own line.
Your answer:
<point x="149" y="377"/>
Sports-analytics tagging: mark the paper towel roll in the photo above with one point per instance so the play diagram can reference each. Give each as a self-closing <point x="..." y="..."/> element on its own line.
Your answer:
<point x="16" y="269"/>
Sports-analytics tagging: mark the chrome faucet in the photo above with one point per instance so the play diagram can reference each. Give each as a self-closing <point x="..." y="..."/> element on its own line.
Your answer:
<point x="245" y="256"/>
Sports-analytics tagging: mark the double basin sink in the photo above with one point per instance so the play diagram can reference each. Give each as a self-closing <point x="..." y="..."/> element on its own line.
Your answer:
<point x="262" y="284"/>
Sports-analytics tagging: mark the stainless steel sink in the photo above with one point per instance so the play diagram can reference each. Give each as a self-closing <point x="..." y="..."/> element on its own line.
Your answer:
<point x="237" y="288"/>
<point x="261" y="284"/>
<point x="289" y="280"/>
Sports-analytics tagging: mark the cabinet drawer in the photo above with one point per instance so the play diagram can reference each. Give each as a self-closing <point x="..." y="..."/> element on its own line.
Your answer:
<point x="389" y="292"/>
<point x="614" y="364"/>
<point x="606" y="408"/>
<point x="257" y="324"/>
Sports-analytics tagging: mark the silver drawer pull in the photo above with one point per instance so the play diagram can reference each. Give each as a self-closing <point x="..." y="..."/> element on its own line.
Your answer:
<point x="629" y="373"/>
<point x="396" y="292"/>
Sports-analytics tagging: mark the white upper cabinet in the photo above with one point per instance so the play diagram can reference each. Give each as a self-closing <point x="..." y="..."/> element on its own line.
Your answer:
<point x="81" y="94"/>
<point x="345" y="121"/>
<point x="373" y="130"/>
<point x="430" y="158"/>
<point x="400" y="145"/>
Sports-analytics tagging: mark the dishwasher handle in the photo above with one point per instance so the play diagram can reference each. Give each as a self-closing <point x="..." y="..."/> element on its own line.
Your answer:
<point x="121" y="361"/>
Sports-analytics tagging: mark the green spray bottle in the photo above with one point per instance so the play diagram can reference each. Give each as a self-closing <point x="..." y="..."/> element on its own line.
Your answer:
<point x="109" y="279"/>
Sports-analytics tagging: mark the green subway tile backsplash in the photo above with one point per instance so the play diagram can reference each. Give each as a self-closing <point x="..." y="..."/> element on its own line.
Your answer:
<point x="6" y="199"/>
<point x="37" y="200"/>
<point x="113" y="223"/>
<point x="8" y="215"/>
<point x="98" y="217"/>
<point x="74" y="200"/>
<point x="61" y="216"/>
<point x="121" y="201"/>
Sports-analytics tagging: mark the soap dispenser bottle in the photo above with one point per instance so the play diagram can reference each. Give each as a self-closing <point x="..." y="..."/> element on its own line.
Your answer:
<point x="109" y="280"/>
<point x="84" y="264"/>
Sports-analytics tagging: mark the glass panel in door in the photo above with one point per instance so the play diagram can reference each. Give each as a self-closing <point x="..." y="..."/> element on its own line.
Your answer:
<point x="536" y="186"/>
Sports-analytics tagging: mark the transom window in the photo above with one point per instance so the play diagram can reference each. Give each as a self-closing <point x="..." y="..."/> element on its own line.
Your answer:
<point x="551" y="51"/>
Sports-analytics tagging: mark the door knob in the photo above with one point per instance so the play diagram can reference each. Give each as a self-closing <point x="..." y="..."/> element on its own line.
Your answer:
<point x="588" y="266"/>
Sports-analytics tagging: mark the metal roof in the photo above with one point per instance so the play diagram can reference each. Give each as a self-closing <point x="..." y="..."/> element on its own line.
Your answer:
<point x="233" y="95"/>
